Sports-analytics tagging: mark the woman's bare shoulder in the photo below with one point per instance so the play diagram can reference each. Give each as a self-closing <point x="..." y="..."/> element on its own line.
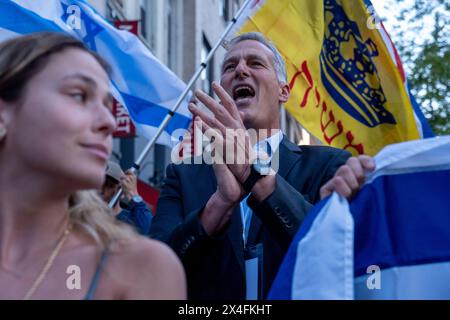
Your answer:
<point x="145" y="252"/>
<point x="149" y="268"/>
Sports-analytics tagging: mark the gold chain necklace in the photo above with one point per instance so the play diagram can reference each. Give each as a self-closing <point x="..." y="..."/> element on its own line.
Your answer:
<point x="48" y="264"/>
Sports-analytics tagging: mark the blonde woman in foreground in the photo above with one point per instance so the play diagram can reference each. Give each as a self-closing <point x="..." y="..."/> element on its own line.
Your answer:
<point x="56" y="240"/>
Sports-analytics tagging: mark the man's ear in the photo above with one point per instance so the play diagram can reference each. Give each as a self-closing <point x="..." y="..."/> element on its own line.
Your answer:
<point x="284" y="92"/>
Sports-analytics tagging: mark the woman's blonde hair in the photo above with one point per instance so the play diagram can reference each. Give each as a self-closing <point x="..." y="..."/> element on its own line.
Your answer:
<point x="22" y="58"/>
<point x="90" y="214"/>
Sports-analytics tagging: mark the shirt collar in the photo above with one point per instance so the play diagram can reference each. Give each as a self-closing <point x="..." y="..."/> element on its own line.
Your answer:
<point x="274" y="142"/>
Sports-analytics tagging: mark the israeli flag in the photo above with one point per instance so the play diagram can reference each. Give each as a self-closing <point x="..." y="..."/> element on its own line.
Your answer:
<point x="140" y="82"/>
<point x="391" y="242"/>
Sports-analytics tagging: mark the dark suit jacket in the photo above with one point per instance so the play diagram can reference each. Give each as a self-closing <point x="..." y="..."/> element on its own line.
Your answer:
<point x="215" y="266"/>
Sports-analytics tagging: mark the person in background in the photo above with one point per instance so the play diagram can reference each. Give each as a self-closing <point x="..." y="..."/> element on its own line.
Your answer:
<point x="133" y="210"/>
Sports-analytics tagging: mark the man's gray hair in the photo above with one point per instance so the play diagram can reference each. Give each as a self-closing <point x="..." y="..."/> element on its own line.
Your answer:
<point x="256" y="36"/>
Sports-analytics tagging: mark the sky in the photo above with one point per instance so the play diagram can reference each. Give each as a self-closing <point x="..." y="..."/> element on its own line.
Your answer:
<point x="388" y="9"/>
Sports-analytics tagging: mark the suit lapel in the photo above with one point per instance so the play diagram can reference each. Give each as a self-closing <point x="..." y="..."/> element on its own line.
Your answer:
<point x="255" y="228"/>
<point x="289" y="154"/>
<point x="235" y="237"/>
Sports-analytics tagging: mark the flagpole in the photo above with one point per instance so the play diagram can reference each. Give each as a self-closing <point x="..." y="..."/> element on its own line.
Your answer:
<point x="171" y="113"/>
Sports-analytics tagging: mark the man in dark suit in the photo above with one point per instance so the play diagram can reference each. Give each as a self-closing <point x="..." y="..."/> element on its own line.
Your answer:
<point x="229" y="222"/>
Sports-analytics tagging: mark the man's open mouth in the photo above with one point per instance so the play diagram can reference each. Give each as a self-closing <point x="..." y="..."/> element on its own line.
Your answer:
<point x="241" y="92"/>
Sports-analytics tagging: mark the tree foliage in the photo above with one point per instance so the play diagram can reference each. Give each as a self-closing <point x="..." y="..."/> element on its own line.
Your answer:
<point x="426" y="57"/>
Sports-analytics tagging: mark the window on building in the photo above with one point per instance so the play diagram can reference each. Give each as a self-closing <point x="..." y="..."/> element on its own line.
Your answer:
<point x="224" y="9"/>
<point x="173" y="11"/>
<point x="159" y="165"/>
<point x="207" y="75"/>
<point x="235" y="8"/>
<point x="111" y="13"/>
<point x="147" y="22"/>
<point x="143" y="22"/>
<point x="221" y="2"/>
<point x="119" y="3"/>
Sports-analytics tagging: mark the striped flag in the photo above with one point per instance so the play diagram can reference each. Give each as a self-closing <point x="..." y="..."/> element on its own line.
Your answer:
<point x="140" y="82"/>
<point x="347" y="82"/>
<point x="391" y="242"/>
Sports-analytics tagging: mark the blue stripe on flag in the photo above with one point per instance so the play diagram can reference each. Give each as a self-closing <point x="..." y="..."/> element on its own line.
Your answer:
<point x="426" y="129"/>
<point x="18" y="19"/>
<point x="410" y="212"/>
<point x="152" y="114"/>
<point x="340" y="100"/>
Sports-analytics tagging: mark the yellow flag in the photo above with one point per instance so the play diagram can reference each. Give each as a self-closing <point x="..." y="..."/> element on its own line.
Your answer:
<point x="347" y="84"/>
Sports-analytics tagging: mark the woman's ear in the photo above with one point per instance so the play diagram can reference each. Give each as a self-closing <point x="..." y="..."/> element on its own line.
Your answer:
<point x="2" y="131"/>
<point x="284" y="92"/>
<point x="2" y="122"/>
<point x="2" y="112"/>
<point x="5" y="117"/>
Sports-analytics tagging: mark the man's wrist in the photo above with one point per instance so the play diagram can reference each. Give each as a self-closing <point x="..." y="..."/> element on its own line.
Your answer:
<point x="264" y="187"/>
<point x="136" y="198"/>
<point x="217" y="202"/>
<point x="245" y="175"/>
<point x="214" y="213"/>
